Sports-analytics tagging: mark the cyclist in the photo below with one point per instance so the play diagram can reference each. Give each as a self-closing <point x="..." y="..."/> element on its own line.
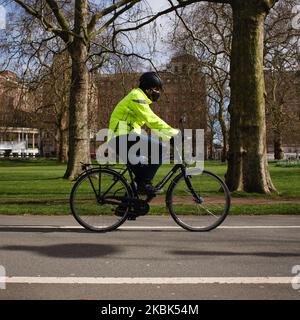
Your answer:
<point x="135" y="110"/>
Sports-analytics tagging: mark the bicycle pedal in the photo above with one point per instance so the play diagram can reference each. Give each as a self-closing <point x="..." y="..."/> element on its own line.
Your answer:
<point x="132" y="215"/>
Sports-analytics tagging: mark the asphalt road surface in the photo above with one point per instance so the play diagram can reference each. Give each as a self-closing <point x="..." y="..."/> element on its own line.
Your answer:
<point x="247" y="257"/>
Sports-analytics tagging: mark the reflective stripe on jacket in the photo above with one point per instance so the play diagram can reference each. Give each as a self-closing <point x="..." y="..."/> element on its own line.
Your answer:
<point x="135" y="110"/>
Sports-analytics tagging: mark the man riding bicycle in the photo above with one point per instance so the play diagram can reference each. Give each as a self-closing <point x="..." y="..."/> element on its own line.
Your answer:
<point x="135" y="110"/>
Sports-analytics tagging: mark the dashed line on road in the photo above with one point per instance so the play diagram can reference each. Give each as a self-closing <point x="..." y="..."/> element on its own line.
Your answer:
<point x="152" y="280"/>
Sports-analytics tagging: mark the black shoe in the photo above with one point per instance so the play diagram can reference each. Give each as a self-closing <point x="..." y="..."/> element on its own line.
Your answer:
<point x="148" y="189"/>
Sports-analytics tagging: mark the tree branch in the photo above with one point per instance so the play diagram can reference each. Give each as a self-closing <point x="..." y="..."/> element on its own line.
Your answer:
<point x="63" y="33"/>
<point x="58" y="14"/>
<point x="186" y="2"/>
<point x="181" y="4"/>
<point x="97" y="16"/>
<point x="93" y="33"/>
<point x="47" y="25"/>
<point x="191" y="32"/>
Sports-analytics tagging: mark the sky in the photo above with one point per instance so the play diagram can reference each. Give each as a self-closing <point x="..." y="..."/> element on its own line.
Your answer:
<point x="2" y="17"/>
<point x="162" y="56"/>
<point x="158" y="4"/>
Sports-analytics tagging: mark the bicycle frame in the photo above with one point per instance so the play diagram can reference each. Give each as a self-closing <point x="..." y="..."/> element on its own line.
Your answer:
<point x="170" y="175"/>
<point x="161" y="184"/>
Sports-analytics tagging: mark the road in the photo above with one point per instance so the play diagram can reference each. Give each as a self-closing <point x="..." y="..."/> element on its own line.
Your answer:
<point x="247" y="257"/>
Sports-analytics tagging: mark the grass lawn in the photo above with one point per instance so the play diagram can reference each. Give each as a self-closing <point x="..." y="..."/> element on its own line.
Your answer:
<point x="36" y="187"/>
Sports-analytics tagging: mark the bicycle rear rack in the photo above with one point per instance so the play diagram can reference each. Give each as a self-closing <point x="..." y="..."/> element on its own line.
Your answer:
<point x="86" y="166"/>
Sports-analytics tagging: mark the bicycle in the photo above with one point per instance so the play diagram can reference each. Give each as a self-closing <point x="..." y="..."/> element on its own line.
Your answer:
<point x="196" y="202"/>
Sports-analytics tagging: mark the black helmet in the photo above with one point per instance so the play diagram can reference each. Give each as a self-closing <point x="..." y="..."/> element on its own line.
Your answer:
<point x="150" y="80"/>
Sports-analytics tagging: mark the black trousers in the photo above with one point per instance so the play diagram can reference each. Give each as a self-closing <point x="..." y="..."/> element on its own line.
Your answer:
<point x="143" y="172"/>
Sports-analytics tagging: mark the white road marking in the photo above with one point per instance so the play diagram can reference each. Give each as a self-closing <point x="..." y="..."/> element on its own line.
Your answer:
<point x="154" y="280"/>
<point x="221" y="227"/>
<point x="259" y="227"/>
<point x="146" y="227"/>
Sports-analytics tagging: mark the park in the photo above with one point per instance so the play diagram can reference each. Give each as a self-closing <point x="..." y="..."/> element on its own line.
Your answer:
<point x="69" y="69"/>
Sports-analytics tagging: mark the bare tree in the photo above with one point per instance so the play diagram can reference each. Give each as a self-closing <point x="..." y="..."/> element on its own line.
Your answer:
<point x="77" y="34"/>
<point x="281" y="65"/>
<point x="209" y="40"/>
<point x="247" y="165"/>
<point x="247" y="160"/>
<point x="51" y="95"/>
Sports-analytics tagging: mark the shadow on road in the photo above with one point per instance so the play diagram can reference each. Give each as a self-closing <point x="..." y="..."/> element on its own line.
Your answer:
<point x="70" y="250"/>
<point x="41" y="229"/>
<point x="234" y="253"/>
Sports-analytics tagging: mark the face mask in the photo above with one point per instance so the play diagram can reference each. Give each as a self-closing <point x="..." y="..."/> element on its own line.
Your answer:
<point x="155" y="96"/>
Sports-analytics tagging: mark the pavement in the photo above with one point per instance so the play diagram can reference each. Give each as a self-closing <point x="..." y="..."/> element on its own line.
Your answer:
<point x="52" y="257"/>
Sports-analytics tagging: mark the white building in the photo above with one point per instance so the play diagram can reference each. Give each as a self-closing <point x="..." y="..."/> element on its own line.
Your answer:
<point x="19" y="142"/>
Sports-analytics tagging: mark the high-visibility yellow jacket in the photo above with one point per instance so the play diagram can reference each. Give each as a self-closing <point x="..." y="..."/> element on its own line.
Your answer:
<point x="134" y="111"/>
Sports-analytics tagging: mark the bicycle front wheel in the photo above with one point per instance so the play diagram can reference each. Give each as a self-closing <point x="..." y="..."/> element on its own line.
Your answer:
<point x="198" y="202"/>
<point x="95" y="198"/>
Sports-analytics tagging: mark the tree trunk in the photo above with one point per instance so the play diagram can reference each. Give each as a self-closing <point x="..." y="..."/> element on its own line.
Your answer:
<point x="248" y="166"/>
<point x="278" y="152"/>
<point x="211" y="144"/>
<point x="233" y="175"/>
<point x="62" y="152"/>
<point x="278" y="123"/>
<point x="62" y="135"/>
<point x="79" y="144"/>
<point x="224" y="150"/>
<point x="223" y="130"/>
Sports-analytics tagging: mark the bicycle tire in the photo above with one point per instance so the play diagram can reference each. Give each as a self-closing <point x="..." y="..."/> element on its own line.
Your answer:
<point x="85" y="206"/>
<point x="214" y="195"/>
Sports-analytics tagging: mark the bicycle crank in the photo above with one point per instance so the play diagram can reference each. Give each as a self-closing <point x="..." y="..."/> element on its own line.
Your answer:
<point x="137" y="207"/>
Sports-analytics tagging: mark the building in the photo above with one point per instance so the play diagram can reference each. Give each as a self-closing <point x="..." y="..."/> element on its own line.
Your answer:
<point x="17" y="139"/>
<point x="34" y="120"/>
<point x="182" y="102"/>
<point x="25" y="132"/>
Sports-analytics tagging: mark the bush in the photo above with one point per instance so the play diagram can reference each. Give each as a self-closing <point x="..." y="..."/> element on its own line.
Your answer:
<point x="288" y="163"/>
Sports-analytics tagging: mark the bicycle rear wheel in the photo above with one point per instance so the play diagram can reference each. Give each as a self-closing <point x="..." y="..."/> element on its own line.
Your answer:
<point x="95" y="198"/>
<point x="198" y="202"/>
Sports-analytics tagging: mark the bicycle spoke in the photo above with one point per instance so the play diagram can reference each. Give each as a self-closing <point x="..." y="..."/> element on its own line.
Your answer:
<point x="99" y="184"/>
<point x="208" y="211"/>
<point x="91" y="182"/>
<point x="106" y="192"/>
<point x="198" y="209"/>
<point x="100" y="215"/>
<point x="189" y="211"/>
